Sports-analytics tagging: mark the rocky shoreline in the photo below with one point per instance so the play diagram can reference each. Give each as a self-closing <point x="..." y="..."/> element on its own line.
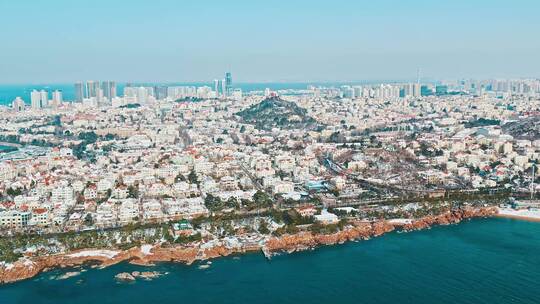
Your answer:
<point x="29" y="267"/>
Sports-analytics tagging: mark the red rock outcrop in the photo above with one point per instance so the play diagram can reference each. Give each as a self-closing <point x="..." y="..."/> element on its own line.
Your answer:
<point x="31" y="266"/>
<point x="306" y="240"/>
<point x="363" y="230"/>
<point x="450" y="217"/>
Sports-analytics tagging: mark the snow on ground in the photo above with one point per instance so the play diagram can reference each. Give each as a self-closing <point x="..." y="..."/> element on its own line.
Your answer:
<point x="400" y="221"/>
<point x="94" y="253"/>
<point x="146" y="249"/>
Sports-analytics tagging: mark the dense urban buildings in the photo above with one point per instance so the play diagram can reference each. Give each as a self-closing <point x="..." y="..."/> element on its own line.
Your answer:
<point x="159" y="152"/>
<point x="216" y="166"/>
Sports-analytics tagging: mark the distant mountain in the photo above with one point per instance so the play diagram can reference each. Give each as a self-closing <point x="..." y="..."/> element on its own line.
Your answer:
<point x="528" y="128"/>
<point x="275" y="112"/>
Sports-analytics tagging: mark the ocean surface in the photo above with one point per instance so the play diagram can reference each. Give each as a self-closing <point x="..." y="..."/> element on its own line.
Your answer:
<point x="480" y="261"/>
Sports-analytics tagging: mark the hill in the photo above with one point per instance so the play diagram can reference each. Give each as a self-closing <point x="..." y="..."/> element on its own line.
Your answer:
<point x="528" y="128"/>
<point x="275" y="112"/>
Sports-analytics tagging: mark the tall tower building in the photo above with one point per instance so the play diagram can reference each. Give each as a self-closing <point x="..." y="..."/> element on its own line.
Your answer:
<point x="417" y="90"/>
<point x="79" y="91"/>
<point x="106" y="89"/>
<point x="142" y="95"/>
<point x="35" y="99"/>
<point x="44" y="98"/>
<point x="112" y="89"/>
<point x="109" y="89"/>
<point x="56" y="98"/>
<point x="91" y="89"/>
<point x="160" y="92"/>
<point x="218" y="87"/>
<point x="228" y="84"/>
<point x="88" y="89"/>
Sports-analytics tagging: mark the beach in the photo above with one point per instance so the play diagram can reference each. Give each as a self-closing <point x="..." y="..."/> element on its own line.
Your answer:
<point x="524" y="214"/>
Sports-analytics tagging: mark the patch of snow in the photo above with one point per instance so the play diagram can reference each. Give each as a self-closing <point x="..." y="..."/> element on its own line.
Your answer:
<point x="31" y="249"/>
<point x="400" y="221"/>
<point x="94" y="253"/>
<point x="146" y="249"/>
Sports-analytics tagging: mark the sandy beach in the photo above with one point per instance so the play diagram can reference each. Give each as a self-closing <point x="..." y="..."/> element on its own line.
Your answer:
<point x="528" y="215"/>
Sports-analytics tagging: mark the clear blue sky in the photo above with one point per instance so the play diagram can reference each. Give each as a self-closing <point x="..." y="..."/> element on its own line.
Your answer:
<point x="53" y="41"/>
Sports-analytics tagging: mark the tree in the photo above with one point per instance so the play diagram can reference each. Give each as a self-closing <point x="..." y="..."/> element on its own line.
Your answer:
<point x="261" y="199"/>
<point x="14" y="192"/>
<point x="133" y="192"/>
<point x="88" y="220"/>
<point x="192" y="177"/>
<point x="263" y="228"/>
<point x="88" y="137"/>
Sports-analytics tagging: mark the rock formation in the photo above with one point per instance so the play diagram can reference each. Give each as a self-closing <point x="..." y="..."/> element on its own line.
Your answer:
<point x="28" y="267"/>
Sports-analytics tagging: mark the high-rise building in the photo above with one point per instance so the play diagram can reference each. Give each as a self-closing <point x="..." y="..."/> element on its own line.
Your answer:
<point x="113" y="93"/>
<point x="79" y="91"/>
<point x="218" y="87"/>
<point x="39" y="99"/>
<point x="91" y="89"/>
<point x="160" y="92"/>
<point x="44" y="98"/>
<point x="56" y="98"/>
<point x="109" y="89"/>
<point x="35" y="99"/>
<point x="88" y="89"/>
<point x="417" y="90"/>
<point x="142" y="95"/>
<point x="228" y="84"/>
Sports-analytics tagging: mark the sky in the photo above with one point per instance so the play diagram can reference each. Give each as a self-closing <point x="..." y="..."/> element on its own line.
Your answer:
<point x="61" y="41"/>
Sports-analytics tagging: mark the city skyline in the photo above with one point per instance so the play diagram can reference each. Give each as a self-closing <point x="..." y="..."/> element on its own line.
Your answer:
<point x="302" y="41"/>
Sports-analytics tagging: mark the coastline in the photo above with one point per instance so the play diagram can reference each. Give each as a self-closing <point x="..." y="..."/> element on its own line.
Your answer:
<point x="148" y="255"/>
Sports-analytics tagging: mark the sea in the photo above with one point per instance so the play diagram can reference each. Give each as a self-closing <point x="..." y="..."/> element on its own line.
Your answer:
<point x="478" y="261"/>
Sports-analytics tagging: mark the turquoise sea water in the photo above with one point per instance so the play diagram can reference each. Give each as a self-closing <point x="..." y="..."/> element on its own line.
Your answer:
<point x="481" y="261"/>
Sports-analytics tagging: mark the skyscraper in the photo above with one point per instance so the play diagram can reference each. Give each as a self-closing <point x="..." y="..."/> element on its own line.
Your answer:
<point x="88" y="89"/>
<point x="109" y="89"/>
<point x="44" y="98"/>
<point x="160" y="92"/>
<point x="35" y="99"/>
<point x="113" y="93"/>
<point x="218" y="87"/>
<point x="228" y="84"/>
<point x="79" y="91"/>
<point x="91" y="89"/>
<point x="142" y="95"/>
<point x="56" y="98"/>
<point x="39" y="99"/>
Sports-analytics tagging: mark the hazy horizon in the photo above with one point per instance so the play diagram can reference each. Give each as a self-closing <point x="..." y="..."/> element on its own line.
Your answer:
<point x="60" y="41"/>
